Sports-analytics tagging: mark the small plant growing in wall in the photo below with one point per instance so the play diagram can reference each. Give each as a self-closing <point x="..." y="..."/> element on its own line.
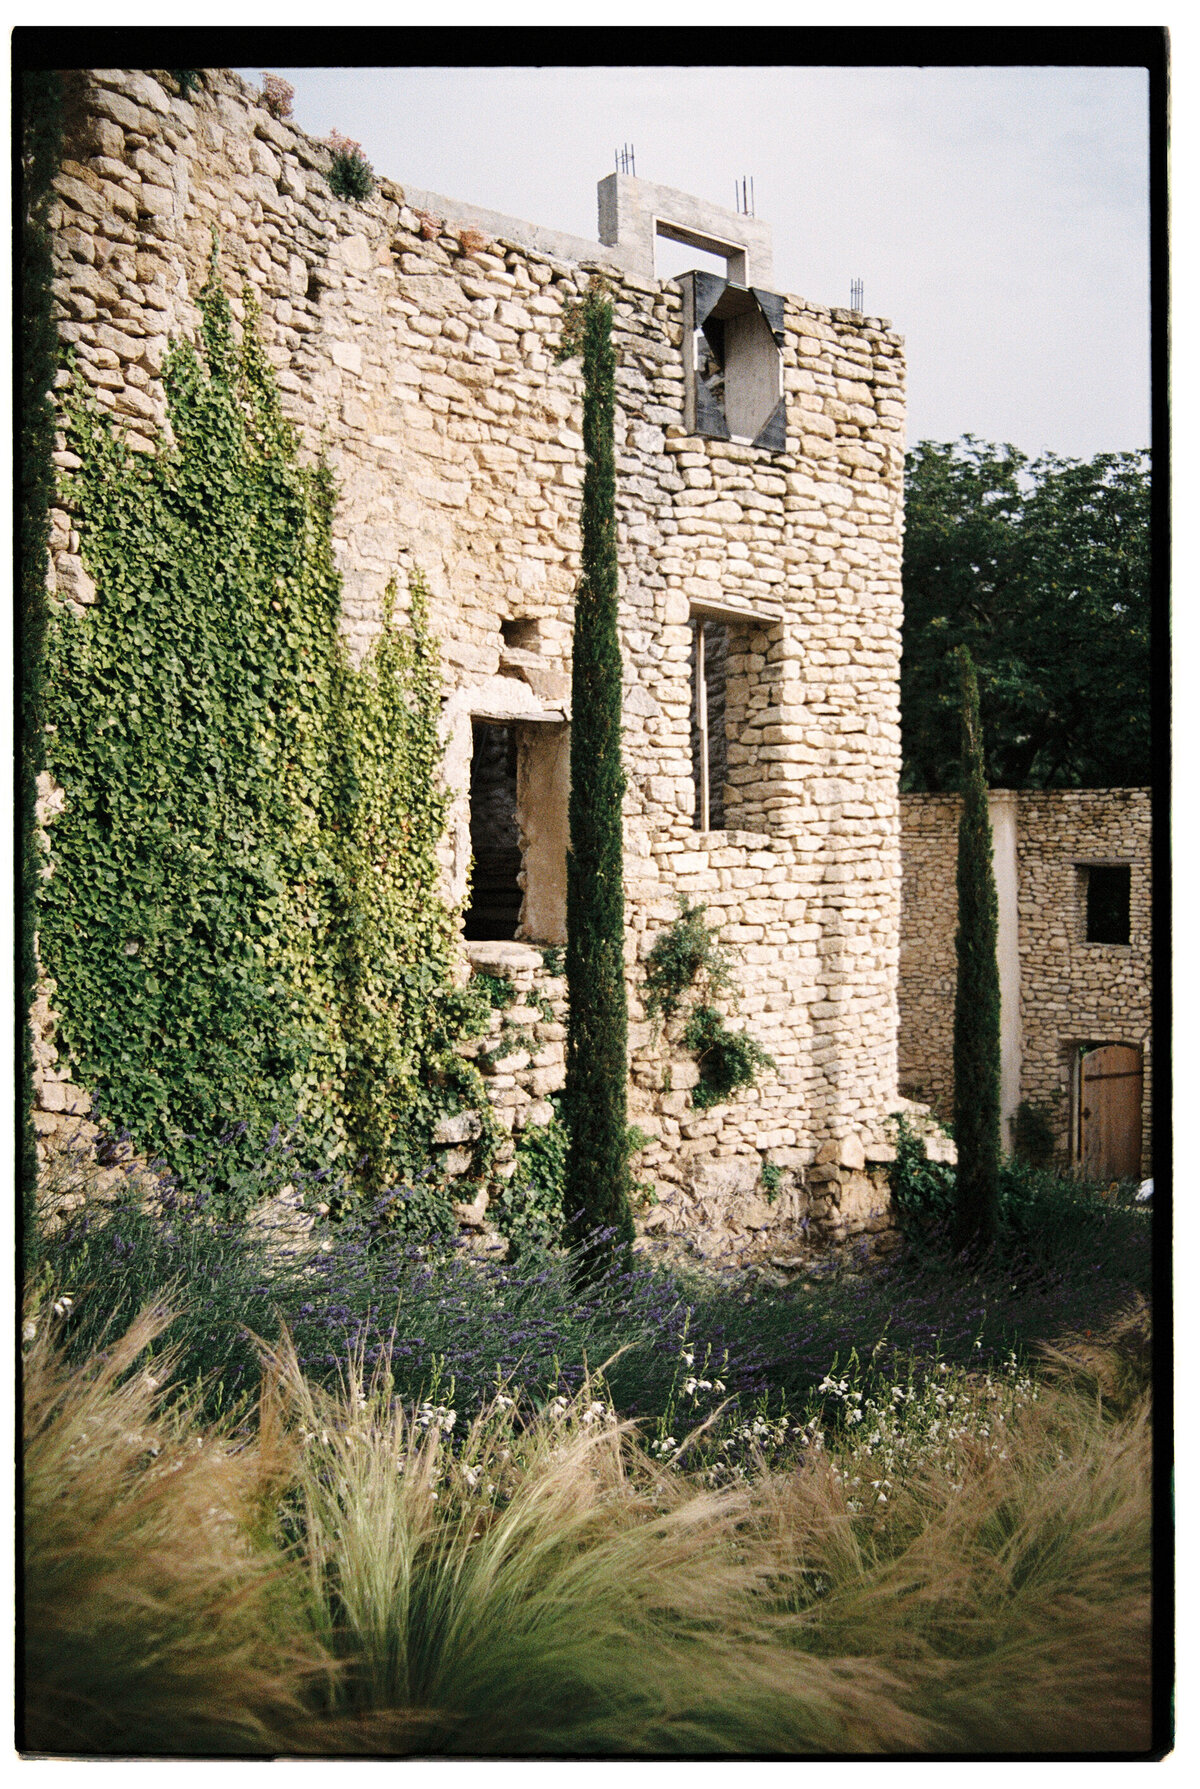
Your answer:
<point x="682" y="955"/>
<point x="187" y="80"/>
<point x="351" y="175"/>
<point x="687" y="957"/>
<point x="277" y="95"/>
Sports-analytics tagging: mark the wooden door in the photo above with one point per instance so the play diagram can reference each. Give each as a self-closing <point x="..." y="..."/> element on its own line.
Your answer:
<point x="1110" y="1112"/>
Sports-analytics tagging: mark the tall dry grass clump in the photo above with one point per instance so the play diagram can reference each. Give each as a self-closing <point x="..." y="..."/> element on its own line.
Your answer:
<point x="549" y="1589"/>
<point x="1011" y="1594"/>
<point x="961" y="1565"/>
<point x="154" y="1621"/>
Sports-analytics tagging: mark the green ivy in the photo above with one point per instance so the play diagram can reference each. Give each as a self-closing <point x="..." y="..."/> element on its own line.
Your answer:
<point x="728" y="1059"/>
<point x="498" y="990"/>
<point x="244" y="923"/>
<point x="529" y="1209"/>
<point x="685" y="955"/>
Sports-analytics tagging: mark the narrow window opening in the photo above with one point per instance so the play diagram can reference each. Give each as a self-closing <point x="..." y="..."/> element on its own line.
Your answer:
<point x="1107" y="903"/>
<point x="710" y="745"/>
<point x="495" y="908"/>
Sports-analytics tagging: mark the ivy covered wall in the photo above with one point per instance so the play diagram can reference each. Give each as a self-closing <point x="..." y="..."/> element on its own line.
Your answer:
<point x="243" y="922"/>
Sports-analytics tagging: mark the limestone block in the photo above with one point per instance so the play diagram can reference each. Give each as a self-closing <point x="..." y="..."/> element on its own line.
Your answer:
<point x="62" y="1096"/>
<point x="474" y="1213"/>
<point x="457" y="1127"/>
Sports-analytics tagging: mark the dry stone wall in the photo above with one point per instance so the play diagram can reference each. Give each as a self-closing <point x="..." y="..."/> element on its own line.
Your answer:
<point x="1072" y="992"/>
<point x="415" y="348"/>
<point x="928" y="964"/>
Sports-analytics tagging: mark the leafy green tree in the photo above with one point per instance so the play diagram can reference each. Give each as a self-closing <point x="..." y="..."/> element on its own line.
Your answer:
<point x="977" y="991"/>
<point x="594" y="1102"/>
<point x="1041" y="568"/>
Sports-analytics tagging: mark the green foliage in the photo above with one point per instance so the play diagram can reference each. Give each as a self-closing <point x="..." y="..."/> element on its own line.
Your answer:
<point x="187" y="80"/>
<point x="772" y="1180"/>
<point x="1033" y="1135"/>
<point x="243" y="921"/>
<point x="728" y="1059"/>
<point x="683" y="956"/>
<point x="1042" y="570"/>
<point x="529" y="1209"/>
<point x="922" y="1191"/>
<point x="497" y="990"/>
<point x="40" y="110"/>
<point x="679" y="957"/>
<point x="351" y="175"/>
<point x="594" y="1104"/>
<point x="554" y="959"/>
<point x="976" y="993"/>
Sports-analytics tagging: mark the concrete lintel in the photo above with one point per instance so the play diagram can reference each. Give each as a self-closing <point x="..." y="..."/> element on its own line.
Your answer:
<point x="633" y="212"/>
<point x="733" y="612"/>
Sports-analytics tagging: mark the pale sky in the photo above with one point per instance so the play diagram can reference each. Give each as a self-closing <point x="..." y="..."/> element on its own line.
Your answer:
<point x="997" y="216"/>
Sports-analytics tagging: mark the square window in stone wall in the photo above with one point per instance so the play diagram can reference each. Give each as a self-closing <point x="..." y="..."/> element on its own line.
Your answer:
<point x="1106" y="902"/>
<point x="733" y="362"/>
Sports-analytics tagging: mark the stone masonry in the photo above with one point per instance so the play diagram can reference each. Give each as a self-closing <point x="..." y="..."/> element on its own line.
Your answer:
<point x="414" y="340"/>
<point x="1068" y="992"/>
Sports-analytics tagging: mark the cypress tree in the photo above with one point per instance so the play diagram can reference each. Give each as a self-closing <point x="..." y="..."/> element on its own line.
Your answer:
<point x="594" y="1102"/>
<point x="977" y="992"/>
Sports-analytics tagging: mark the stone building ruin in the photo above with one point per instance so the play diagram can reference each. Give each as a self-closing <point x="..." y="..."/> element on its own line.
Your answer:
<point x="1074" y="899"/>
<point x="760" y="442"/>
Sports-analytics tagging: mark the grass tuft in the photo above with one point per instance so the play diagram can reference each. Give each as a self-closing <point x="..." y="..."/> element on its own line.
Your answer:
<point x="153" y="1623"/>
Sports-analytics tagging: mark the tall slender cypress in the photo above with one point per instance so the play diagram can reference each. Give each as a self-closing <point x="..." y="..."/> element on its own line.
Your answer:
<point x="977" y="993"/>
<point x="594" y="1104"/>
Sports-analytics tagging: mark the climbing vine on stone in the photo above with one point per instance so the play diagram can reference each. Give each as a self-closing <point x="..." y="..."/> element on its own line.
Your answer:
<point x="687" y="956"/>
<point x="243" y="921"/>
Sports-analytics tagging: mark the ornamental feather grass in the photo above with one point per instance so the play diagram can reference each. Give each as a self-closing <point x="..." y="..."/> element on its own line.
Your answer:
<point x="366" y="1577"/>
<point x="154" y="1619"/>
<point x="1011" y="1597"/>
<point x="542" y="1587"/>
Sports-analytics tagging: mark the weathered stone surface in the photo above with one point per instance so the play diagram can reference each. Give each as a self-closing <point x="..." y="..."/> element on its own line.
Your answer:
<point x="421" y="360"/>
<point x="474" y="1212"/>
<point x="458" y="1127"/>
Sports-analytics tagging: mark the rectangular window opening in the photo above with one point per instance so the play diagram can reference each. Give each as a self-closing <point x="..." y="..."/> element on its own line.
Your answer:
<point x="710" y="743"/>
<point x="1107" y="899"/>
<point x="518" y="805"/>
<point x="495" y="907"/>
<point x="733" y="363"/>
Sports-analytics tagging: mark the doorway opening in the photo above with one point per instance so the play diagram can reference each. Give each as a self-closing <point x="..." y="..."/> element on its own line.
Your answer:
<point x="520" y="772"/>
<point x="496" y="894"/>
